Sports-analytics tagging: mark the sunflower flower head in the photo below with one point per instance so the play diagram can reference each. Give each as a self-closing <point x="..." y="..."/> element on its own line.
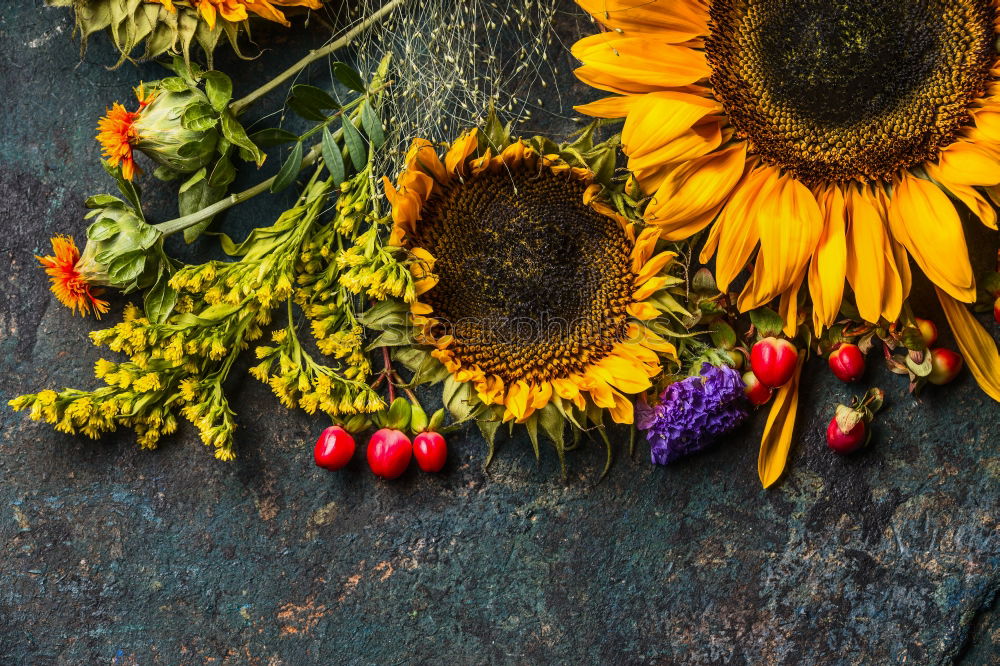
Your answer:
<point x="532" y="295"/>
<point x="69" y="282"/>
<point x="820" y="144"/>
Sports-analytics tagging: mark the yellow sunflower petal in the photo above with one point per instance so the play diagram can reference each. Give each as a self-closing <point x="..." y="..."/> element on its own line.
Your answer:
<point x="671" y="20"/>
<point x="968" y="195"/>
<point x="617" y="106"/>
<point x="517" y="399"/>
<point x="788" y="307"/>
<point x="422" y="156"/>
<point x="659" y="128"/>
<point x="460" y="150"/>
<point x="541" y="395"/>
<point x="695" y="189"/>
<point x="738" y="232"/>
<point x="776" y="441"/>
<point x="650" y="287"/>
<point x="976" y="345"/>
<point x="621" y="374"/>
<point x="643" y="311"/>
<point x="652" y="267"/>
<point x="965" y="163"/>
<point x="866" y="260"/>
<point x="650" y="340"/>
<point x="636" y="64"/>
<point x="924" y="220"/>
<point x="789" y="222"/>
<point x="644" y="246"/>
<point x="622" y="411"/>
<point x="828" y="267"/>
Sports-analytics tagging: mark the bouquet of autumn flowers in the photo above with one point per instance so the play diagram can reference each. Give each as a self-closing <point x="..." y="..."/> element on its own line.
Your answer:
<point x="666" y="270"/>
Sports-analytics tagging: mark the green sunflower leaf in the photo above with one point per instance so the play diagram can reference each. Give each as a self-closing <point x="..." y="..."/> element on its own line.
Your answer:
<point x="348" y="76"/>
<point x="289" y="170"/>
<point x="332" y="158"/>
<point x="355" y="145"/>
<point x="219" y="89"/>
<point x="315" y="97"/>
<point x="273" y="136"/>
<point x="372" y="125"/>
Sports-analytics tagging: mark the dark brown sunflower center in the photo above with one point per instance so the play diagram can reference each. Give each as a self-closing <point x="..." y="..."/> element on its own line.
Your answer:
<point x="532" y="284"/>
<point x="849" y="89"/>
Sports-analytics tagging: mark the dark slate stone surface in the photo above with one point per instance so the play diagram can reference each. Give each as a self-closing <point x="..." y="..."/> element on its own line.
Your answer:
<point x="109" y="555"/>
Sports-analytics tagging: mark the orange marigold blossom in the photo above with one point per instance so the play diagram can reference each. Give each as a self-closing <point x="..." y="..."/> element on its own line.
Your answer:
<point x="117" y="134"/>
<point x="69" y="280"/>
<point x="235" y="11"/>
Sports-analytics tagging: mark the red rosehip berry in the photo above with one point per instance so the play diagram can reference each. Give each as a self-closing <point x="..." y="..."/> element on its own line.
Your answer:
<point x="945" y="365"/>
<point x="996" y="310"/>
<point x="757" y="393"/>
<point x="928" y="331"/>
<point x="773" y="360"/>
<point x="389" y="453"/>
<point x="847" y="362"/>
<point x="846" y="442"/>
<point x="334" y="448"/>
<point x="430" y="450"/>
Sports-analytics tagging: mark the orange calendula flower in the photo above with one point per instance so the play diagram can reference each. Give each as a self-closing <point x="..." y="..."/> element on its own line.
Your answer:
<point x="69" y="283"/>
<point x="235" y="11"/>
<point x="117" y="135"/>
<point x="823" y="144"/>
<point x="528" y="290"/>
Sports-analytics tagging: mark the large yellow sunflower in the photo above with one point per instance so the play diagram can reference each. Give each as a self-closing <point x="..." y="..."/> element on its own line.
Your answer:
<point x="834" y="138"/>
<point x="528" y="289"/>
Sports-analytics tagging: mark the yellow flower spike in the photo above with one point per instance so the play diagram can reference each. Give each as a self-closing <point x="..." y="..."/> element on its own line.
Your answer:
<point x="776" y="441"/>
<point x="976" y="345"/>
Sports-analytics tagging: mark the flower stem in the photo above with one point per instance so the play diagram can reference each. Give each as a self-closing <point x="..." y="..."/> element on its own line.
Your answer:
<point x="348" y="111"/>
<point x="181" y="223"/>
<point x="241" y="104"/>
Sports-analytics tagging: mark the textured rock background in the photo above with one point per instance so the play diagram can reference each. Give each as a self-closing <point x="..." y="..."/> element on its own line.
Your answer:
<point x="109" y="555"/>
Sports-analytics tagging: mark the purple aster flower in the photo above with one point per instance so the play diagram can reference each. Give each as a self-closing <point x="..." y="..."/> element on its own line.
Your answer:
<point x="693" y="413"/>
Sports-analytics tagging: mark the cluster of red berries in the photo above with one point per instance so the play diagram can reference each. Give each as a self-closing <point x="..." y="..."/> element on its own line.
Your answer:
<point x="848" y="429"/>
<point x="772" y="365"/>
<point x="389" y="449"/>
<point x="773" y="362"/>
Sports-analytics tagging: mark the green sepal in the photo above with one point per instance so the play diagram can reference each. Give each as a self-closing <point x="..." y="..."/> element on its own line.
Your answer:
<point x="767" y="322"/>
<point x="399" y="414"/>
<point x="418" y="419"/>
<point x="436" y="421"/>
